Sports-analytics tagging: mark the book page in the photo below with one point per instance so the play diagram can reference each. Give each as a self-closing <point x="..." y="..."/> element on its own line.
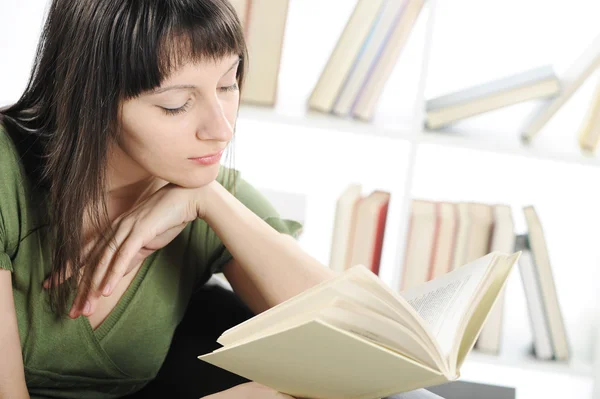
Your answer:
<point x="442" y="302"/>
<point x="318" y="360"/>
<point x="357" y="283"/>
<point x="350" y="316"/>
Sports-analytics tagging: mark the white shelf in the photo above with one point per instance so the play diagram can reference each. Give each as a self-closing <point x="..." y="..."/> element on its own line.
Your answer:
<point x="316" y="120"/>
<point x="483" y="141"/>
<point x="507" y="145"/>
<point x="528" y="363"/>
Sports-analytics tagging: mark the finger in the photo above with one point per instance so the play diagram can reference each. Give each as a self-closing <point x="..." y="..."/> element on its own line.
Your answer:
<point x="123" y="258"/>
<point x="55" y="280"/>
<point x="84" y="302"/>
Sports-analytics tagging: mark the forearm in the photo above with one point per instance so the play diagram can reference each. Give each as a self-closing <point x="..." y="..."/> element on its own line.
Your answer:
<point x="275" y="264"/>
<point x="12" y="376"/>
<point x="18" y="391"/>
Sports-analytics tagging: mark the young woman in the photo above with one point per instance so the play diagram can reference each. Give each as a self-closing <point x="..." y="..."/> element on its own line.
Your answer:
<point x="115" y="209"/>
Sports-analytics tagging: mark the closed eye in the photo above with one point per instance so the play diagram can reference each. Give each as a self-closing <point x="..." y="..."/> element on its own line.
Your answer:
<point x="175" y="111"/>
<point x="233" y="87"/>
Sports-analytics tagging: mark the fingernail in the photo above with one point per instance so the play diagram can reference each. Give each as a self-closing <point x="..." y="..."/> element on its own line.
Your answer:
<point x="87" y="307"/>
<point x="106" y="289"/>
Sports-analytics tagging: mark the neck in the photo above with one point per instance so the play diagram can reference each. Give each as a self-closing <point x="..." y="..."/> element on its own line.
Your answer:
<point x="127" y="182"/>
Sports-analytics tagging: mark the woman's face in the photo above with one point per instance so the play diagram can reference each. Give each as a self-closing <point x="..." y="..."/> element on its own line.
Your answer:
<point x="178" y="131"/>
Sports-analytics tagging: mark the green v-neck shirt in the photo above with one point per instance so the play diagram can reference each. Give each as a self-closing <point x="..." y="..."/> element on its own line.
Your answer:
<point x="66" y="358"/>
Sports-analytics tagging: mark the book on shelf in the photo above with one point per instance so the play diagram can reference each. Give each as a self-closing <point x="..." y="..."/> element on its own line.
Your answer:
<point x="571" y="80"/>
<point x="503" y="240"/>
<point x="344" y="54"/>
<point x="480" y="220"/>
<point x="359" y="228"/>
<point x="371" y="49"/>
<point x="242" y="8"/>
<point x="542" y="346"/>
<point x="529" y="85"/>
<point x="365" y="54"/>
<point x="367" y="240"/>
<point x="589" y="131"/>
<point x="264" y="23"/>
<point x="354" y="337"/>
<point x="443" y="245"/>
<point x="422" y="228"/>
<point x="443" y="236"/>
<point x="468" y="230"/>
<point x="366" y="101"/>
<point x="473" y="233"/>
<point x="343" y="227"/>
<point x="550" y="336"/>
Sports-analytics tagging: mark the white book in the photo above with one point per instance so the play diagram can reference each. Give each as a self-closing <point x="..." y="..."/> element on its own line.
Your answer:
<point x="589" y="131"/>
<point x="503" y="240"/>
<point x="265" y="34"/>
<point x="532" y="84"/>
<point x="366" y="102"/>
<point x="541" y="260"/>
<point x="344" y="54"/>
<point x="573" y="78"/>
<point x="535" y="306"/>
<point x="241" y="9"/>
<point x="376" y="41"/>
<point x="352" y="336"/>
<point x="343" y="227"/>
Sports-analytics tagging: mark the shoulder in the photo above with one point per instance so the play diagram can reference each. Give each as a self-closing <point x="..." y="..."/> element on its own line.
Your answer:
<point x="13" y="197"/>
<point x="10" y="160"/>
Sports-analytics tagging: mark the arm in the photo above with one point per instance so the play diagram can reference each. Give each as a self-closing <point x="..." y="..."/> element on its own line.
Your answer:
<point x="12" y="376"/>
<point x="269" y="267"/>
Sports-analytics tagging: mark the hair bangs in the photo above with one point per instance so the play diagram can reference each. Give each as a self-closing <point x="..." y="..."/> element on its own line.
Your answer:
<point x="165" y="35"/>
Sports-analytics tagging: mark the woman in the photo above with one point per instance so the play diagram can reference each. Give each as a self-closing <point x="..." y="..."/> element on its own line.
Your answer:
<point x="114" y="208"/>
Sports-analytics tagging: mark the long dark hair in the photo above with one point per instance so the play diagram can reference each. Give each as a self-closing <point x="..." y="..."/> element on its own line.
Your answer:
<point x="92" y="56"/>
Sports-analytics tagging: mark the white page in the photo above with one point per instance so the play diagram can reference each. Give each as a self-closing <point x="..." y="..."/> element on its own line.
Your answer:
<point x="353" y="284"/>
<point x="442" y="302"/>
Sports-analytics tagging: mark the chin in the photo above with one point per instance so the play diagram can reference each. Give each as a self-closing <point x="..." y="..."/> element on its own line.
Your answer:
<point x="197" y="178"/>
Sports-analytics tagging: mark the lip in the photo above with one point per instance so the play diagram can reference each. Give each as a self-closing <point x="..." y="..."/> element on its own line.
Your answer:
<point x="208" y="159"/>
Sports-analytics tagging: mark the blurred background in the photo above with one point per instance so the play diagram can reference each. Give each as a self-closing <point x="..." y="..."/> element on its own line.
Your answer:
<point x="340" y="104"/>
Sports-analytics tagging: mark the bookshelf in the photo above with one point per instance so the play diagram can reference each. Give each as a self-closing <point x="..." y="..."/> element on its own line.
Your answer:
<point x="288" y="149"/>
<point x="318" y="154"/>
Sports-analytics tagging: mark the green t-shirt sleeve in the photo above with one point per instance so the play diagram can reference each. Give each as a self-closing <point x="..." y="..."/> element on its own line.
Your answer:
<point x="9" y="200"/>
<point x="253" y="199"/>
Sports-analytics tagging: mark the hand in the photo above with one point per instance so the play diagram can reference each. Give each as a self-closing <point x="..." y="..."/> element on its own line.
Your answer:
<point x="149" y="226"/>
<point x="249" y="390"/>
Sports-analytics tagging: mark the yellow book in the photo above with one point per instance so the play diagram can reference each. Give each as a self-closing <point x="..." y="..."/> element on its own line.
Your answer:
<point x="265" y="31"/>
<point x="589" y="132"/>
<point x="346" y="51"/>
<point x="354" y="337"/>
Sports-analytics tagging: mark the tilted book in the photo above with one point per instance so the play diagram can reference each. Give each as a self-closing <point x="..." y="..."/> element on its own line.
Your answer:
<point x="354" y="337"/>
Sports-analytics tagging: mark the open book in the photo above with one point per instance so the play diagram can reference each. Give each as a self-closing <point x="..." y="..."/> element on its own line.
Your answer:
<point x="354" y="337"/>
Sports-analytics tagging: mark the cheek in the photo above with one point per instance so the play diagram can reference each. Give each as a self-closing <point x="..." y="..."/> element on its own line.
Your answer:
<point x="155" y="139"/>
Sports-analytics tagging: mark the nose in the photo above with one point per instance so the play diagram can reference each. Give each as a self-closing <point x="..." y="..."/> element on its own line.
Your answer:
<point x="214" y="124"/>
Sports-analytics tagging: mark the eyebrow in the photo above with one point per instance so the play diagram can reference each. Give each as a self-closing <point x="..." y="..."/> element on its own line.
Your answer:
<point x="179" y="87"/>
